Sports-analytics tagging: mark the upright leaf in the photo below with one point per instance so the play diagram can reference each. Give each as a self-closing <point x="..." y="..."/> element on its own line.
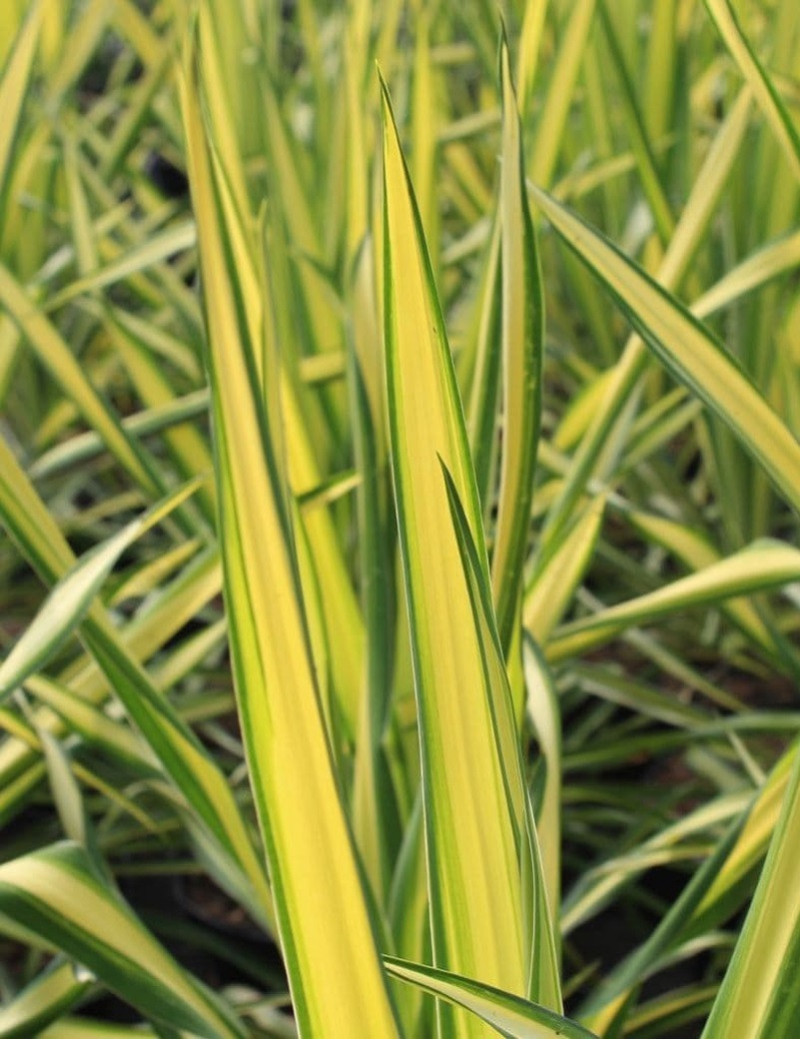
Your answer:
<point x="762" y="86"/>
<point x="522" y="343"/>
<point x="474" y="812"/>
<point x="620" y="389"/>
<point x="337" y="982"/>
<point x="760" y="994"/>
<point x="13" y="87"/>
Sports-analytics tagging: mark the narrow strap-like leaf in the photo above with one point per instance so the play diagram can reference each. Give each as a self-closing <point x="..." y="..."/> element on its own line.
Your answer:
<point x="768" y="98"/>
<point x="55" y="990"/>
<point x="510" y="1015"/>
<point x="70" y="599"/>
<point x="761" y="565"/>
<point x="688" y="349"/>
<point x="55" y="896"/>
<point x="474" y="812"/>
<point x="328" y="937"/>
<point x="522" y="344"/>
<point x="13" y="86"/>
<point x="760" y="994"/>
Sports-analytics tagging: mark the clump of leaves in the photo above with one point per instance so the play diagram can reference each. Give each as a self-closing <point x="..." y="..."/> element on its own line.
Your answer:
<point x="427" y="585"/>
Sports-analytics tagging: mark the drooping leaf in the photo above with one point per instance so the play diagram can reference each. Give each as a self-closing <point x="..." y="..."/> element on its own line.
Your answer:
<point x="55" y="990"/>
<point x="689" y="350"/>
<point x="54" y="896"/>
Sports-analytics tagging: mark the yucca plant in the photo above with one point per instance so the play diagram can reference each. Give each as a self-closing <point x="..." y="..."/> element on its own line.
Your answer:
<point x="420" y="592"/>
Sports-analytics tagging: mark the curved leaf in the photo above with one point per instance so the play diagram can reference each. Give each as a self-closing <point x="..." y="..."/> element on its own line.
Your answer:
<point x="54" y="895"/>
<point x="687" y="348"/>
<point x="510" y="1015"/>
<point x="762" y="565"/>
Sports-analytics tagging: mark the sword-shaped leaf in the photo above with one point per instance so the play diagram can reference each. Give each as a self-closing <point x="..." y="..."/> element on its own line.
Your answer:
<point x="336" y="978"/>
<point x="522" y="344"/>
<point x="14" y="84"/>
<point x="474" y="806"/>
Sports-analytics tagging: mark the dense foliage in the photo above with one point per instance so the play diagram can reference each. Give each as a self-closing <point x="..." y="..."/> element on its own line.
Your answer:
<point x="399" y="478"/>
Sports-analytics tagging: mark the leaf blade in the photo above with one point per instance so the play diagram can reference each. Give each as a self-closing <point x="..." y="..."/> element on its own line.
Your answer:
<point x="687" y="349"/>
<point x="759" y="993"/>
<point x="724" y="17"/>
<point x="474" y="823"/>
<point x="510" y="1015"/>
<point x="522" y="348"/>
<point x="328" y="938"/>
<point x="55" y="895"/>
<point x="71" y="598"/>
